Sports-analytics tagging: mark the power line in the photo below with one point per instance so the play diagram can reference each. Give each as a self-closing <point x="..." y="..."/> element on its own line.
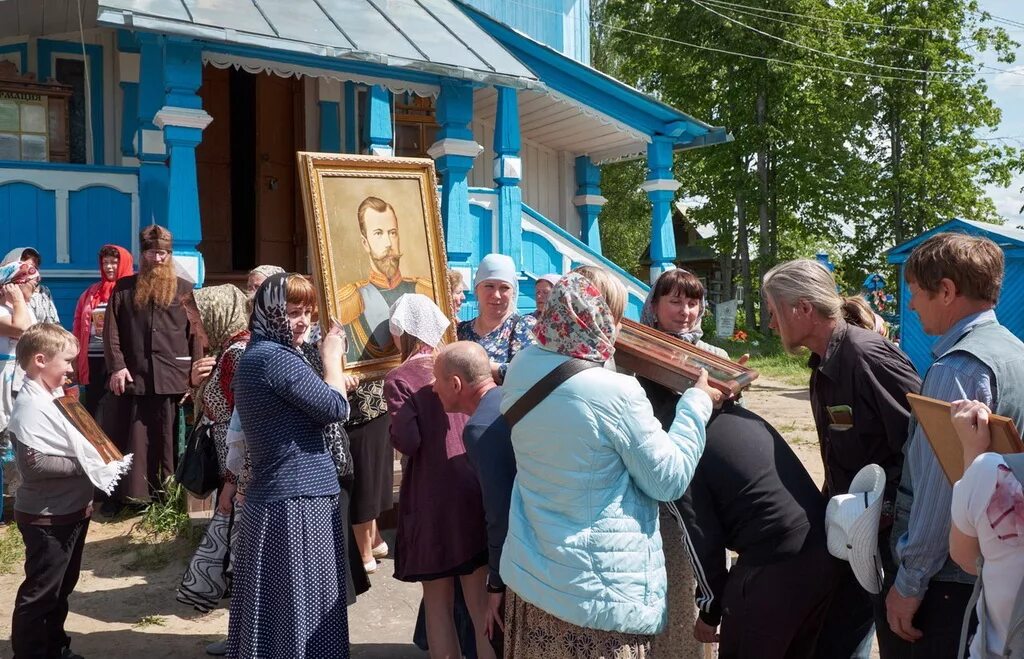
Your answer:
<point x="823" y="52"/>
<point x="762" y="58"/>
<point x="799" y="45"/>
<point x="877" y="26"/>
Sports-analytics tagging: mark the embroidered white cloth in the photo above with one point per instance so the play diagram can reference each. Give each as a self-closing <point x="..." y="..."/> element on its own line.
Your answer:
<point x="38" y="423"/>
<point x="417" y="315"/>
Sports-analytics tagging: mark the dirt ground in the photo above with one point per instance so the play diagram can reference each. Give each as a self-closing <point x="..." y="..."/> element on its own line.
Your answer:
<point x="124" y="604"/>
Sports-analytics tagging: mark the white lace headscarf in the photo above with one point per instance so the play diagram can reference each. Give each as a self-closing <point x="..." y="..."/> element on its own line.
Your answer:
<point x="417" y="315"/>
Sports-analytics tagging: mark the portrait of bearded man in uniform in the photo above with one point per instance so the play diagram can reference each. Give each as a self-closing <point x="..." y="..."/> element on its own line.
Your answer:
<point x="364" y="304"/>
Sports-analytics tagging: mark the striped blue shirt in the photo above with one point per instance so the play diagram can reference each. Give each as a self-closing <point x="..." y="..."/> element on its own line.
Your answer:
<point x="923" y="549"/>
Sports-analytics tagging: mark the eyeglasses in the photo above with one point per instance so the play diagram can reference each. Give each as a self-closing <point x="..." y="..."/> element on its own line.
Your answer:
<point x="157" y="253"/>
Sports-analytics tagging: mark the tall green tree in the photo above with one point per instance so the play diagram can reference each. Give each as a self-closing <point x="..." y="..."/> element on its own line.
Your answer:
<point x="853" y="125"/>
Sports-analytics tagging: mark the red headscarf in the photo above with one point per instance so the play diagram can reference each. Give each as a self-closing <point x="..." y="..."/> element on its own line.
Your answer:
<point x="95" y="295"/>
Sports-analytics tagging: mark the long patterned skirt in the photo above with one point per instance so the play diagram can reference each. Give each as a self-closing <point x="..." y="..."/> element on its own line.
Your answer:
<point x="677" y="641"/>
<point x="531" y="633"/>
<point x="289" y="592"/>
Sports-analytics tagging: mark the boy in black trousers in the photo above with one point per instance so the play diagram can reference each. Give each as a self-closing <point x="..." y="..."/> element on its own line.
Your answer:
<point x="59" y="471"/>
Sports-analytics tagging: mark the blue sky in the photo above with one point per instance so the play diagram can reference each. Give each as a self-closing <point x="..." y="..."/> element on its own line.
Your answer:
<point x="1007" y="89"/>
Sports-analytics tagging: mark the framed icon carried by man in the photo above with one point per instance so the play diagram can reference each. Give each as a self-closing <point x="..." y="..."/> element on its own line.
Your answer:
<point x="374" y="227"/>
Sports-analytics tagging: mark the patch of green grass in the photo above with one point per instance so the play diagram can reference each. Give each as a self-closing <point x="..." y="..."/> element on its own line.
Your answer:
<point x="767" y="357"/>
<point x="12" y="549"/>
<point x="167" y="516"/>
<point x="783" y="367"/>
<point x="150" y="621"/>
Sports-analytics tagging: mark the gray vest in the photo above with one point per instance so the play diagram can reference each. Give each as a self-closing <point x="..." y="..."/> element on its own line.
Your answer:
<point x="1003" y="353"/>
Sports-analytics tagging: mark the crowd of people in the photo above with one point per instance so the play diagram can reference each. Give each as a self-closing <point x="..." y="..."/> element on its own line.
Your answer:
<point x="550" y="505"/>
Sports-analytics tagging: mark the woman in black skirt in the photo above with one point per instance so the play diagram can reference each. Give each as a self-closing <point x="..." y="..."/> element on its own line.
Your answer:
<point x="373" y="460"/>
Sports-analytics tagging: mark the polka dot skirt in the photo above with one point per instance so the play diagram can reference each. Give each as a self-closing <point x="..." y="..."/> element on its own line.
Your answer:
<point x="288" y="595"/>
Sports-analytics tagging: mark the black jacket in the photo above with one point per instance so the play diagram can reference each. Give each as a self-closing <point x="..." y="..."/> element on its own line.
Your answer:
<point x="750" y="494"/>
<point x="864" y="371"/>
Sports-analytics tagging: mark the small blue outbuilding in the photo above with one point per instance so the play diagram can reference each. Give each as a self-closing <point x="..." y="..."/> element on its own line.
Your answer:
<point x="1010" y="309"/>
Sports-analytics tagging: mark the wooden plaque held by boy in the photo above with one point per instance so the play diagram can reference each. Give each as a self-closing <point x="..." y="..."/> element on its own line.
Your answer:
<point x="80" y="418"/>
<point x="937" y="422"/>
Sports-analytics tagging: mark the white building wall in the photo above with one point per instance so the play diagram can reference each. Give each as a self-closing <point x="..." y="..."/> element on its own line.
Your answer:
<point x="548" y="182"/>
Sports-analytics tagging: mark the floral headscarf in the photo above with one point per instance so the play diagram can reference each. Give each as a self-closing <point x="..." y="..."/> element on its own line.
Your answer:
<point x="267" y="270"/>
<point x="223" y="312"/>
<point x="18" y="272"/>
<point x="649" y="317"/>
<point x="269" y="321"/>
<point x="577" y="321"/>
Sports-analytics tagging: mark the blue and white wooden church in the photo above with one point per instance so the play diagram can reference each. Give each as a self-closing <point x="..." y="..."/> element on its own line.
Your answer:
<point x="188" y="113"/>
<point x="1010" y="309"/>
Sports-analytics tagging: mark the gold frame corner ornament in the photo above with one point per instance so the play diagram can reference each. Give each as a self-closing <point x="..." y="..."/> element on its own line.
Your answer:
<point x="313" y="169"/>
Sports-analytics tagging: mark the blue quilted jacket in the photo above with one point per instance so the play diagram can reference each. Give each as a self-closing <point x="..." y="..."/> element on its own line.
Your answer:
<point x="593" y="463"/>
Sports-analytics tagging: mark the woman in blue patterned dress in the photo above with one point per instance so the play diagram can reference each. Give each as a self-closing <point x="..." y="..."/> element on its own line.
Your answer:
<point x="498" y="326"/>
<point x="288" y="599"/>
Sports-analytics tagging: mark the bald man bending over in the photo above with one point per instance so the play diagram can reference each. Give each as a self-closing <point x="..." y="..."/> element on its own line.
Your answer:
<point x="463" y="382"/>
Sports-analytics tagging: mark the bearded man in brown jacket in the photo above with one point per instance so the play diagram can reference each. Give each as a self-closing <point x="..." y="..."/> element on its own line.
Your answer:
<point x="151" y="337"/>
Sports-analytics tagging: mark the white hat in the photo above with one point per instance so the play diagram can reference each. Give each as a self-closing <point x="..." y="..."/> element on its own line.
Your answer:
<point x="851" y="524"/>
<point x="416" y="314"/>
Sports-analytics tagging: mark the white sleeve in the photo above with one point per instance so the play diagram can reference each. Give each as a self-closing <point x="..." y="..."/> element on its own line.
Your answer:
<point x="973" y="491"/>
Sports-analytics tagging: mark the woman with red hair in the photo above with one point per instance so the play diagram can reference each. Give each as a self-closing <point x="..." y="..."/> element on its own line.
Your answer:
<point x="91" y="368"/>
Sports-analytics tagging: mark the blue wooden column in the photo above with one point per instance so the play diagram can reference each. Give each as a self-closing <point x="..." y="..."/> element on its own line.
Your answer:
<point x="588" y="201"/>
<point x="661" y="190"/>
<point x="508" y="171"/>
<point x="330" y="127"/>
<point x="183" y="120"/>
<point x="378" y="131"/>
<point x="150" y="147"/>
<point x="453" y="155"/>
<point x="128" y="66"/>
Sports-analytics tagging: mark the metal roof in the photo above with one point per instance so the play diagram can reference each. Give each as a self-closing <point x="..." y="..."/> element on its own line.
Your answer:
<point x="431" y="36"/>
<point x="1004" y="236"/>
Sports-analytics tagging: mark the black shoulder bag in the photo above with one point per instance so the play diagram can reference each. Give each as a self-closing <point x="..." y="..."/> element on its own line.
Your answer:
<point x="539" y="391"/>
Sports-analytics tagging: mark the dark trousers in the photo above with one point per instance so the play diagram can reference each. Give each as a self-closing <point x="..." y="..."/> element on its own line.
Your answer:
<point x="151" y="439"/>
<point x="939" y="618"/>
<point x="96" y="390"/>
<point x="53" y="558"/>
<point x="776" y="611"/>
<point x="849" y="620"/>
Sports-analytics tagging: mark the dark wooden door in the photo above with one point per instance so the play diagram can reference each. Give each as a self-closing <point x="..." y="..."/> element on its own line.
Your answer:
<point x="278" y="129"/>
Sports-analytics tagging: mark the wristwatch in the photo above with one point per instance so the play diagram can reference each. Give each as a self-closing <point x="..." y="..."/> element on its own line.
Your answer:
<point x="492" y="588"/>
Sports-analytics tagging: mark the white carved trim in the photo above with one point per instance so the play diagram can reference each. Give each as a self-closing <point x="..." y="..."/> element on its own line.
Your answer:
<point x="381" y="151"/>
<point x="63" y="225"/>
<point x="128" y="66"/>
<point x="49" y="273"/>
<point x="589" y="200"/>
<point x="153" y="142"/>
<point x="454" y="147"/>
<point x="599" y="116"/>
<point x="668" y="184"/>
<point x="508" y="167"/>
<point x="255" y="65"/>
<point x="182" y="117"/>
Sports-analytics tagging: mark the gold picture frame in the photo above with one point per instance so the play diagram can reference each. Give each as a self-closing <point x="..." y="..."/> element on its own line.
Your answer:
<point x="374" y="227"/>
<point x="674" y="363"/>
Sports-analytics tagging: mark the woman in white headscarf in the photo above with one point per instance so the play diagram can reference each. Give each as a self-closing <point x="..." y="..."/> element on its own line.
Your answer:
<point x="498" y="326"/>
<point x="441" y="530"/>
